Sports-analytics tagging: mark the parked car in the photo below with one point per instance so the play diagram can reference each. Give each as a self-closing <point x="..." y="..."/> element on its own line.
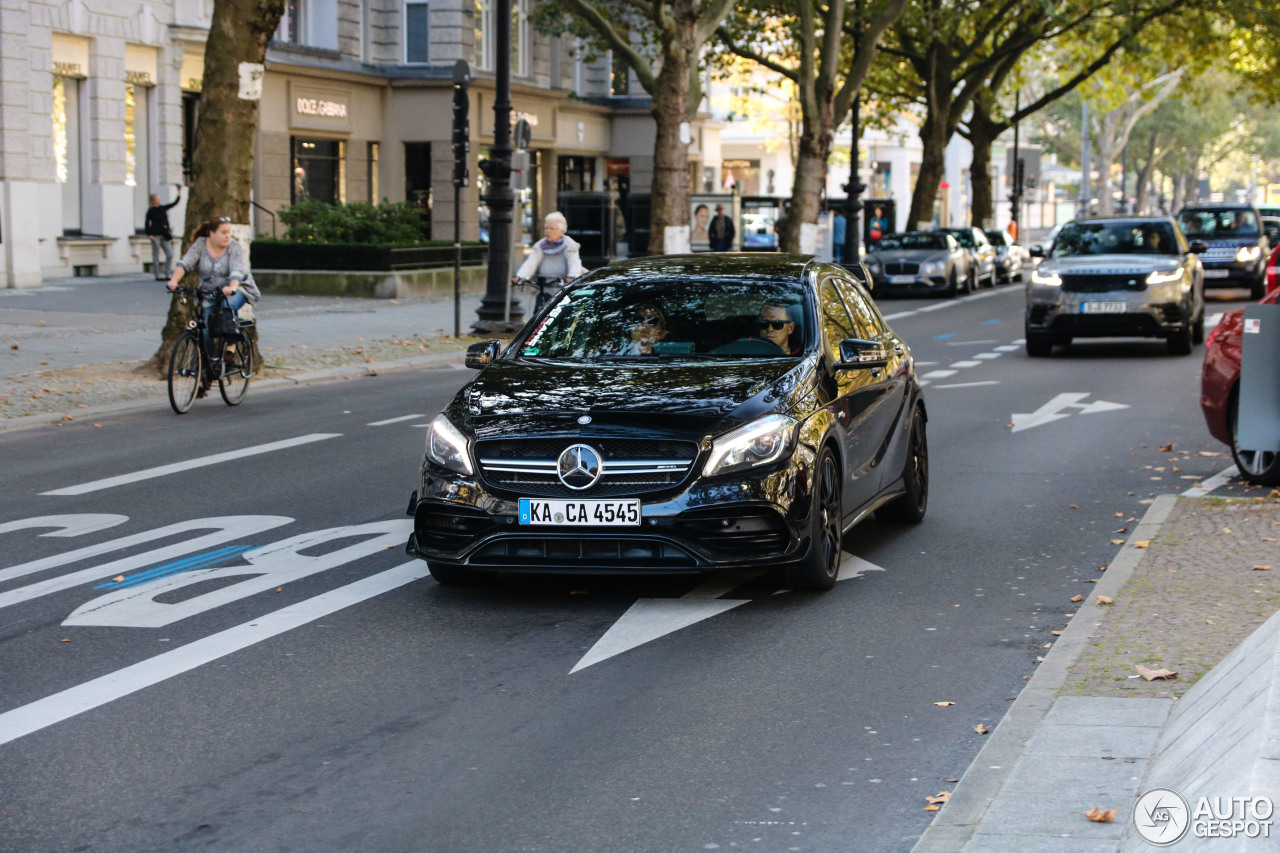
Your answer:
<point x="1273" y="270"/>
<point x="1010" y="257"/>
<point x="1268" y="210"/>
<point x="1116" y="276"/>
<point x="1236" y="248"/>
<point x="981" y="253"/>
<point x="1271" y="230"/>
<point x="919" y="262"/>
<point x="678" y="414"/>
<point x="1220" y="396"/>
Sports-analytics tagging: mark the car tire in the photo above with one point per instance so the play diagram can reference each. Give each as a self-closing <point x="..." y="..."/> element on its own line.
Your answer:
<point x="1180" y="342"/>
<point x="1039" y="346"/>
<point x="455" y="575"/>
<point x="953" y="288"/>
<point x="910" y="506"/>
<point x="818" y="570"/>
<point x="1260" y="467"/>
<point x="1197" y="329"/>
<point x="1258" y="288"/>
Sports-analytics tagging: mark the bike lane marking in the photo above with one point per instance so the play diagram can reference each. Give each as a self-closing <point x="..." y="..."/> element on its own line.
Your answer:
<point x="200" y="462"/>
<point x="92" y="694"/>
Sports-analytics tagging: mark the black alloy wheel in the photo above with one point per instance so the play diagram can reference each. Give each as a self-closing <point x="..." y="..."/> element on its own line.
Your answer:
<point x="818" y="570"/>
<point x="911" y="505"/>
<point x="953" y="288"/>
<point x="1197" y="329"/>
<point x="1260" y="467"/>
<point x="1038" y="345"/>
<point x="1258" y="287"/>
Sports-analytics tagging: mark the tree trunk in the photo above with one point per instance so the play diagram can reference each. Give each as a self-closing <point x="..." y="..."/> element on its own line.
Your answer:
<point x="812" y="153"/>
<point x="222" y="164"/>
<point x="669" y="104"/>
<point x="933" y="166"/>
<point x="983" y="131"/>
<point x="1106" y="155"/>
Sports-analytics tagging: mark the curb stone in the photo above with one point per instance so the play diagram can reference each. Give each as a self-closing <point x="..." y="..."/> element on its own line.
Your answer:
<point x="986" y="776"/>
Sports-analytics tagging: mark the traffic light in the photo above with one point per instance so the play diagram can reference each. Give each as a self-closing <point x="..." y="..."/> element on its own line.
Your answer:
<point x="461" y="134"/>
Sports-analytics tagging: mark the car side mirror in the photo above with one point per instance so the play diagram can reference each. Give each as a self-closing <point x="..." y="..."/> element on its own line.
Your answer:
<point x="480" y="355"/>
<point x="1036" y="250"/>
<point x="1199" y="247"/>
<point x="858" y="354"/>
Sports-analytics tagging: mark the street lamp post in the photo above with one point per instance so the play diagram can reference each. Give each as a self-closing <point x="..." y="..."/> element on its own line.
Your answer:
<point x="853" y="189"/>
<point x="493" y="312"/>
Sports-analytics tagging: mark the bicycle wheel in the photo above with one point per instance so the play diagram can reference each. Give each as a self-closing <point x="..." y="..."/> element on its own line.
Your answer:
<point x="184" y="373"/>
<point x="233" y="384"/>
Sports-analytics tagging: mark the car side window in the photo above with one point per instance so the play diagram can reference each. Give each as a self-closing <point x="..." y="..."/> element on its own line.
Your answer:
<point x="867" y="322"/>
<point x="837" y="325"/>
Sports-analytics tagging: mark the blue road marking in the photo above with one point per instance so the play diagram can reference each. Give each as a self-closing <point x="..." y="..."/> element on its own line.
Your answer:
<point x="944" y="337"/>
<point x="992" y="322"/>
<point x="197" y="561"/>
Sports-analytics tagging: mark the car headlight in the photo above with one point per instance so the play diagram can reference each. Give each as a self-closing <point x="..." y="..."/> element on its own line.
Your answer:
<point x="873" y="266"/>
<point x="1051" y="279"/>
<point x="931" y="268"/>
<point x="761" y="442"/>
<point x="1248" y="253"/>
<point x="1159" y="277"/>
<point x="447" y="446"/>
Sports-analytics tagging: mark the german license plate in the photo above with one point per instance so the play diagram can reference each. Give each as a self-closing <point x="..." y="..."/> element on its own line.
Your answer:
<point x="571" y="513"/>
<point x="902" y="279"/>
<point x="1103" y="308"/>
<point x="1217" y="273"/>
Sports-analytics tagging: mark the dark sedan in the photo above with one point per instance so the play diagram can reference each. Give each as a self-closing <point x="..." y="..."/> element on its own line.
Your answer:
<point x="919" y="262"/>
<point x="1236" y="249"/>
<point x="678" y="414"/>
<point x="1116" y="277"/>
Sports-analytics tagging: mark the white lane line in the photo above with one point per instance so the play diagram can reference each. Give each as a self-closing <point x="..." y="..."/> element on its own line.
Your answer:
<point x="1207" y="486"/>
<point x="395" y="420"/>
<point x="969" y="384"/>
<point x="898" y="315"/>
<point x="201" y="462"/>
<point x="1009" y="348"/>
<point x="988" y="355"/>
<point x="939" y="374"/>
<point x="965" y="363"/>
<point x="969" y="343"/>
<point x="93" y="694"/>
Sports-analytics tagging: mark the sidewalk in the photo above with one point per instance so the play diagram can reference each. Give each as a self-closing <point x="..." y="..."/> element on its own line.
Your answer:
<point x="77" y="345"/>
<point x="1192" y="590"/>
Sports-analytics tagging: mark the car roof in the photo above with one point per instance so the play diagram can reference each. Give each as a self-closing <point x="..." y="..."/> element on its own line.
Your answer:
<point x="1220" y="205"/>
<point x="1122" y="217"/>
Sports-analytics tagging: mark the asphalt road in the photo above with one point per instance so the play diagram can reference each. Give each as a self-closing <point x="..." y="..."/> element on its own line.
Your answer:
<point x="320" y="694"/>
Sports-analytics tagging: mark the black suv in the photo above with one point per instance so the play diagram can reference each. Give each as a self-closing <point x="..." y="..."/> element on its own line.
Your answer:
<point x="678" y="414"/>
<point x="1236" y="248"/>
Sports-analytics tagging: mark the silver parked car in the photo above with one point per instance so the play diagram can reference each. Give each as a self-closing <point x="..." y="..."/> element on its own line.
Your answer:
<point x="1011" y="258"/>
<point x="1125" y="276"/>
<point x="919" y="262"/>
<point x="981" y="253"/>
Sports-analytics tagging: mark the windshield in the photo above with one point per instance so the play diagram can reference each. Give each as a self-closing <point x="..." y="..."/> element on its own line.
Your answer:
<point x="1218" y="224"/>
<point x="1115" y="238"/>
<point x="936" y="242"/>
<point x="964" y="237"/>
<point x="996" y="237"/>
<point x="673" y="319"/>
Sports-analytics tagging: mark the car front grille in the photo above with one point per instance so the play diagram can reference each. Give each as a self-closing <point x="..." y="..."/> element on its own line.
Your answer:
<point x="631" y="466"/>
<point x="1104" y="282"/>
<point x="1171" y="313"/>
<point x="1038" y="314"/>
<point x="449" y="527"/>
<point x="901" y="268"/>
<point x="1222" y="253"/>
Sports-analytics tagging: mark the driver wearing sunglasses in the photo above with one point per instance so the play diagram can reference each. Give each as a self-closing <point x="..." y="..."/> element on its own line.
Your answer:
<point x="774" y="324"/>
<point x="648" y="325"/>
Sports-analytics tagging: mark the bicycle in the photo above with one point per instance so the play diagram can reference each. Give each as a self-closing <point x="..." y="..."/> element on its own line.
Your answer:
<point x="192" y="370"/>
<point x="546" y="287"/>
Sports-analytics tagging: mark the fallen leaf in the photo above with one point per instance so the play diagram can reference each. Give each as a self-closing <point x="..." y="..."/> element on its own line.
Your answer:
<point x="1077" y="598"/>
<point x="981" y="729"/>
<point x="1102" y="599"/>
<point x="1073" y="506"/>
<point x="97" y="426"/>
<point x="932" y="808"/>
<point x="1226" y="530"/>
<point x="1207" y="453"/>
<point x="1056" y="633"/>
<point x="1099" y="815"/>
<point x="1268" y="538"/>
<point x="939" y="798"/>
<point x="65" y="640"/>
<point x="1008" y="426"/>
<point x="1039" y="659"/>
<point x="943" y="704"/>
<point x="1142" y="543"/>
<point x="279" y="589"/>
<point x="1117" y="541"/>
<point x="1166" y="448"/>
<point x="118" y="578"/>
<point x="1265" y="568"/>
<point x="1048" y="645"/>
<point x="1119" y="515"/>
<point x="1153" y="674"/>
<point x="68" y="418"/>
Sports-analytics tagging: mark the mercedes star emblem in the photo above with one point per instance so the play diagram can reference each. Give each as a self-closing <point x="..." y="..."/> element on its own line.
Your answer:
<point x="584" y="419"/>
<point x="579" y="466"/>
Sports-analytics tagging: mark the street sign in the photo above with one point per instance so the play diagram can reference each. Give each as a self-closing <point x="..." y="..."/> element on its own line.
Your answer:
<point x="461" y="134"/>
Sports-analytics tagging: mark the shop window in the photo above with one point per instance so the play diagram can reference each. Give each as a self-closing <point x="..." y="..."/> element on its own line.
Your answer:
<point x="521" y="44"/>
<point x="309" y="22"/>
<point x="576" y="174"/>
<point x="319" y="171"/>
<point x="484" y="34"/>
<point x="417" y="178"/>
<point x="374" y="195"/>
<point x="621" y="74"/>
<point x="137" y="148"/>
<point x="416" y="33"/>
<point x="67" y="150"/>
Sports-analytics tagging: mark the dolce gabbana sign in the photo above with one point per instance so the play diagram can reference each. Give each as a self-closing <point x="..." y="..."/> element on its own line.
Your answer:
<point x="312" y="108"/>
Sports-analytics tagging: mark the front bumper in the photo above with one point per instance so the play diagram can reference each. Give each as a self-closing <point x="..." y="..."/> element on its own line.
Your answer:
<point x="1233" y="273"/>
<point x="1156" y="312"/>
<point x="882" y="286"/>
<point x="701" y="526"/>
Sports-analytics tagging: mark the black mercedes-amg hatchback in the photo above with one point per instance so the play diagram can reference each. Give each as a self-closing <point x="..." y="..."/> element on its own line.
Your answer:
<point x="678" y="414"/>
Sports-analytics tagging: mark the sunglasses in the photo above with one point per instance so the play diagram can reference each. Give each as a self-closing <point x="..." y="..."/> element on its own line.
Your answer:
<point x="224" y="218"/>
<point x="650" y="321"/>
<point x="776" y="325"/>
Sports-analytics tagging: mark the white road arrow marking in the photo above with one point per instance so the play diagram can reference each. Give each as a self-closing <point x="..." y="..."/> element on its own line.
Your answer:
<point x="652" y="618"/>
<point x="1052" y="410"/>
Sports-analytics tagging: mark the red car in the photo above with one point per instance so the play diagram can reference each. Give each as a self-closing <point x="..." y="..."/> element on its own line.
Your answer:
<point x="1219" y="395"/>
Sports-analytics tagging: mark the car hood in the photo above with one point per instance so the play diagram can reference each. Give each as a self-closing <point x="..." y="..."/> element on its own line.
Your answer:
<point x="908" y="255"/>
<point x="1107" y="264"/>
<point x="675" y="398"/>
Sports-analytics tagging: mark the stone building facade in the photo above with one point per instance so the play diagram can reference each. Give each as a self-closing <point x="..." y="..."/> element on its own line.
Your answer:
<point x="99" y="101"/>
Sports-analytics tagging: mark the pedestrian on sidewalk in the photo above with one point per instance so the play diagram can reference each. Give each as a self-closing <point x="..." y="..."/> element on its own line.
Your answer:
<point x="157" y="229"/>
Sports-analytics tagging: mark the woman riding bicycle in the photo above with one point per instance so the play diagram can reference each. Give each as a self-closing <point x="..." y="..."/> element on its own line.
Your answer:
<point x="219" y="262"/>
<point x="554" y="256"/>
